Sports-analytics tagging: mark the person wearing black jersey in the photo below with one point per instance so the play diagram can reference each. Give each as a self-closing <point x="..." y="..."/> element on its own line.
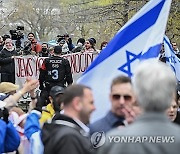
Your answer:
<point x="55" y="71"/>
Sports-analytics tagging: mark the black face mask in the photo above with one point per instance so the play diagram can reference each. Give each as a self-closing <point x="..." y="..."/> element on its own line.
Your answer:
<point x="44" y="49"/>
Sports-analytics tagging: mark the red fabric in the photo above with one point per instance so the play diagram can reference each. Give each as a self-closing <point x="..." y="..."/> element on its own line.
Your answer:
<point x="43" y="67"/>
<point x="36" y="46"/>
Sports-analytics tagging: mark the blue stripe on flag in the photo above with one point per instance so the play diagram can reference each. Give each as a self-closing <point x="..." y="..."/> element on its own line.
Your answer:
<point x="171" y="58"/>
<point x="128" y="34"/>
<point x="152" y="52"/>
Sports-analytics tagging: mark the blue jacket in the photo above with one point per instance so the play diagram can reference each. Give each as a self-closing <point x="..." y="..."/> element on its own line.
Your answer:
<point x="107" y="123"/>
<point x="32" y="131"/>
<point x="9" y="137"/>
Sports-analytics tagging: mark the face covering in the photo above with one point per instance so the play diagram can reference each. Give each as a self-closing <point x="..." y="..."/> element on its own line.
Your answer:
<point x="79" y="44"/>
<point x="44" y="49"/>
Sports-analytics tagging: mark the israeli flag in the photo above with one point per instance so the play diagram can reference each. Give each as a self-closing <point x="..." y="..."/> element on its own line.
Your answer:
<point x="140" y="38"/>
<point x="171" y="58"/>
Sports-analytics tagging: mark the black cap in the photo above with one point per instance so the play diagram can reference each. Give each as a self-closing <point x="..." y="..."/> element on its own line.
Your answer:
<point x="57" y="49"/>
<point x="81" y="40"/>
<point x="94" y="40"/>
<point x="56" y="90"/>
<point x="91" y="41"/>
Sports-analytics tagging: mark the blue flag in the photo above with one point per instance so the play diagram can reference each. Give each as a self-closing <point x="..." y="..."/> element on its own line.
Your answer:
<point x="140" y="38"/>
<point x="171" y="58"/>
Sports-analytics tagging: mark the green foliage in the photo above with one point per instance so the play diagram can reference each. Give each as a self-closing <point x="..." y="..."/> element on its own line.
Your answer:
<point x="83" y="18"/>
<point x="173" y="26"/>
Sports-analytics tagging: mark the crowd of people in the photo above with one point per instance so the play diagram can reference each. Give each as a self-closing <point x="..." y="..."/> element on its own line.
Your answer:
<point x="146" y="106"/>
<point x="18" y="133"/>
<point x="33" y="47"/>
<point x="8" y="50"/>
<point x="58" y="120"/>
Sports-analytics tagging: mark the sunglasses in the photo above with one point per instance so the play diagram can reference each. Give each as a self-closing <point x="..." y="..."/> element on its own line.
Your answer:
<point x="126" y="97"/>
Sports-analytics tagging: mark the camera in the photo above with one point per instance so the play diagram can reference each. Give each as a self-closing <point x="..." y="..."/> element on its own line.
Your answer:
<point x="60" y="37"/>
<point x="17" y="34"/>
<point x="20" y="28"/>
<point x="5" y="37"/>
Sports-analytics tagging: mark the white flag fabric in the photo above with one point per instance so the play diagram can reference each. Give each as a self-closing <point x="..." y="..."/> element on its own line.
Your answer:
<point x="171" y="58"/>
<point x="140" y="38"/>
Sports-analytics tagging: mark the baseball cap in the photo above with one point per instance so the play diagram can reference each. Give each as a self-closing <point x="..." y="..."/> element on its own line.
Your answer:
<point x="6" y="87"/>
<point x="56" y="90"/>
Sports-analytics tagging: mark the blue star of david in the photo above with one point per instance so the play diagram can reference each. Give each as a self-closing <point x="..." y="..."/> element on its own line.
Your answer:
<point x="173" y="60"/>
<point x="130" y="58"/>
